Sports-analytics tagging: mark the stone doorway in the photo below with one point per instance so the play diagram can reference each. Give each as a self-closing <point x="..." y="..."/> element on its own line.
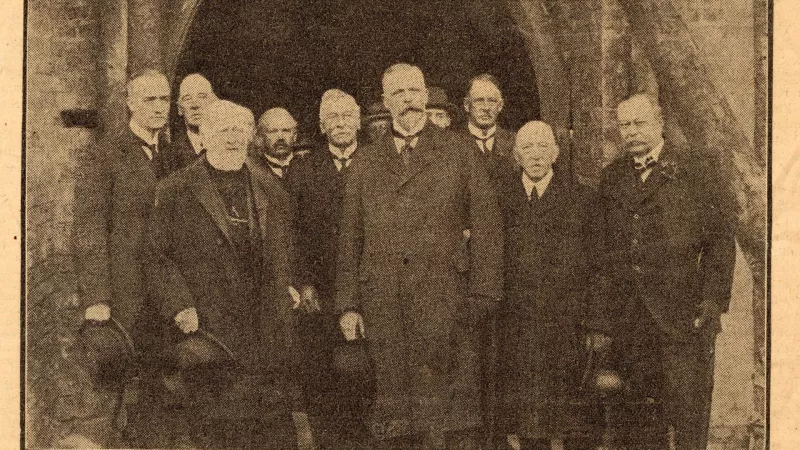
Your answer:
<point x="266" y="53"/>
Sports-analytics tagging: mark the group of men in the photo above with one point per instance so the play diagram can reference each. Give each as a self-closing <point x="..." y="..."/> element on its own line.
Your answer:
<point x="478" y="278"/>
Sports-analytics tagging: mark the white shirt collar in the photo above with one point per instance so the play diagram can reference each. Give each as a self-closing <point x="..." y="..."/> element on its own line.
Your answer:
<point x="280" y="162"/>
<point x="339" y="153"/>
<point x="541" y="185"/>
<point x="195" y="140"/>
<point x="149" y="137"/>
<point x="480" y="133"/>
<point x="655" y="152"/>
<point x="411" y="132"/>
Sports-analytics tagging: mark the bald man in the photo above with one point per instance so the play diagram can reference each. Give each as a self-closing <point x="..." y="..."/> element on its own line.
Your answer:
<point x="220" y="264"/>
<point x="406" y="203"/>
<point x="548" y="255"/>
<point x="194" y="94"/>
<point x="277" y="134"/>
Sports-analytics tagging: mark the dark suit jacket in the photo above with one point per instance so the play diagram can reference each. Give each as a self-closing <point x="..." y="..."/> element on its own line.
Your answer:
<point x="500" y="160"/>
<point x="667" y="242"/>
<point x="195" y="264"/>
<point x="114" y="194"/>
<point x="318" y="189"/>
<point x="549" y="250"/>
<point x="183" y="150"/>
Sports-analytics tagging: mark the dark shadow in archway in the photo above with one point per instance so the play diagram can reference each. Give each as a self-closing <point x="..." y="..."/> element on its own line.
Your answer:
<point x="265" y="53"/>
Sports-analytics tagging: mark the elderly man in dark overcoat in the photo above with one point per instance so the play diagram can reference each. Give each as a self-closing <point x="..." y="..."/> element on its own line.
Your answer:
<point x="548" y="255"/>
<point x="318" y="187"/>
<point x="221" y="265"/>
<point x="405" y="207"/>
<point x="667" y="257"/>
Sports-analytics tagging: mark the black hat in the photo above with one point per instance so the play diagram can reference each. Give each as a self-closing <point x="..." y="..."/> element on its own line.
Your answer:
<point x="108" y="352"/>
<point x="200" y="349"/>
<point x="437" y="99"/>
<point x="376" y="111"/>
<point x="196" y="363"/>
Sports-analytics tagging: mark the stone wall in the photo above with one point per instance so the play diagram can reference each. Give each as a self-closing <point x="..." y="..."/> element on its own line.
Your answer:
<point x="63" y="73"/>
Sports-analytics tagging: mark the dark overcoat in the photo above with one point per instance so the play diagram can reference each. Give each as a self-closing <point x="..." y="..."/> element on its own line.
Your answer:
<point x="549" y="246"/>
<point x="195" y="264"/>
<point x="498" y="160"/>
<point x="397" y="264"/>
<point x="668" y="241"/>
<point x="114" y="194"/>
<point x="183" y="150"/>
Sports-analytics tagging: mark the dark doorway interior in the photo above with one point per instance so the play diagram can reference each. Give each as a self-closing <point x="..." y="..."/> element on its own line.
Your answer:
<point x="265" y="53"/>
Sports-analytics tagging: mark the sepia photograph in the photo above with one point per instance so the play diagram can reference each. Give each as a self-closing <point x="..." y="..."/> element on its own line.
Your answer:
<point x="397" y="224"/>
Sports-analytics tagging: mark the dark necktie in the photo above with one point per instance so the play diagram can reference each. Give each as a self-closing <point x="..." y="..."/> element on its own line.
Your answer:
<point x="281" y="169"/>
<point x="648" y="163"/>
<point x="534" y="198"/>
<point x="343" y="163"/>
<point x="485" y="144"/>
<point x="405" y="150"/>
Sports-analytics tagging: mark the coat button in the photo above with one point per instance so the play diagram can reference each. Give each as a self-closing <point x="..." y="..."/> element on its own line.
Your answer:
<point x="637" y="269"/>
<point x="405" y="261"/>
<point x="635" y="242"/>
<point x="636" y="216"/>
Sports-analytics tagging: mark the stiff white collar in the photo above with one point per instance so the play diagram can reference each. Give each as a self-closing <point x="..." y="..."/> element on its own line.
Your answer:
<point x="480" y="133"/>
<point x="339" y="153"/>
<point x="541" y="185"/>
<point x="654" y="153"/>
<point x="148" y="136"/>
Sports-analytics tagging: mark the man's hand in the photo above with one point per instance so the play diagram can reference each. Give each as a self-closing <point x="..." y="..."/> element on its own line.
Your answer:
<point x="352" y="325"/>
<point x="187" y="320"/>
<point x="598" y="342"/>
<point x="309" y="299"/>
<point x="305" y="438"/>
<point x="99" y="312"/>
<point x="708" y="313"/>
<point x="513" y="441"/>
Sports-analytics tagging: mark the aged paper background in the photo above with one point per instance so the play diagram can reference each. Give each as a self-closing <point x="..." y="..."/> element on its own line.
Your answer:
<point x="785" y="350"/>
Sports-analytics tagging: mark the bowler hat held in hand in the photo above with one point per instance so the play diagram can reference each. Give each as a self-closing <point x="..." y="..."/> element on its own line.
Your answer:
<point x="108" y="352"/>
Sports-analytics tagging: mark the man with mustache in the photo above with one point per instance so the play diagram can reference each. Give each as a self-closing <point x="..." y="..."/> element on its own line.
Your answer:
<point x="277" y="131"/>
<point x="483" y="104"/>
<point x="319" y="182"/>
<point x="667" y="264"/>
<point x="220" y="265"/>
<point x="115" y="188"/>
<point x="194" y="94"/>
<point x="548" y="252"/>
<point x="406" y="203"/>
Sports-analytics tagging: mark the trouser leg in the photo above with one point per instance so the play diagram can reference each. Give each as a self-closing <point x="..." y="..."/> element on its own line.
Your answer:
<point x="688" y="386"/>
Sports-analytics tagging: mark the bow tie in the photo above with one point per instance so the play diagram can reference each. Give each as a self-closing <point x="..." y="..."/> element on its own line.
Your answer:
<point x="648" y="163"/>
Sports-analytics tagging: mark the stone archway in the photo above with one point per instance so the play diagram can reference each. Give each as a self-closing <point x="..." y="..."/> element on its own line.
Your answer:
<point x="509" y="24"/>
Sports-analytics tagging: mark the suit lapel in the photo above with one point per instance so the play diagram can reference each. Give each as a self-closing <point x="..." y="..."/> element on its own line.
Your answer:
<point x="208" y="196"/>
<point x="422" y="155"/>
<point x="551" y="195"/>
<point x="391" y="158"/>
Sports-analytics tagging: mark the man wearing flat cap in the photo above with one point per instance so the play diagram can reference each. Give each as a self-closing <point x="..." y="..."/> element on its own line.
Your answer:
<point x="405" y="205"/>
<point x="221" y="267"/>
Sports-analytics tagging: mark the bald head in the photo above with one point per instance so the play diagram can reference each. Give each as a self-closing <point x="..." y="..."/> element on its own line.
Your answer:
<point x="194" y="94"/>
<point x="535" y="149"/>
<point x="278" y="130"/>
<point x="226" y="129"/>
